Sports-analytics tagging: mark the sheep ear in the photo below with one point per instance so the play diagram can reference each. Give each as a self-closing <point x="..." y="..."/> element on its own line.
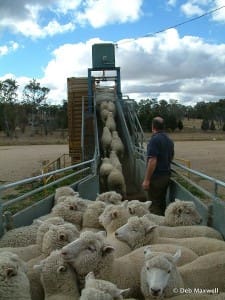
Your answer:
<point x="114" y="214"/>
<point x="150" y="228"/>
<point x="38" y="267"/>
<point x="148" y="204"/>
<point x="125" y="203"/>
<point x="90" y="275"/>
<point x="147" y="251"/>
<point x="38" y="222"/>
<point x="61" y="269"/>
<point x="177" y="255"/>
<point x="131" y="210"/>
<point x="107" y="249"/>
<point x="122" y="292"/>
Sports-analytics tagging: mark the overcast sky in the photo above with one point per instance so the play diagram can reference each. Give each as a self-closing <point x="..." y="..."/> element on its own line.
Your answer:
<point x="51" y="40"/>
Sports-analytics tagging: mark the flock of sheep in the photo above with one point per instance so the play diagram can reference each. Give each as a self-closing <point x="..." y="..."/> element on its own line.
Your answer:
<point x="112" y="249"/>
<point x="111" y="173"/>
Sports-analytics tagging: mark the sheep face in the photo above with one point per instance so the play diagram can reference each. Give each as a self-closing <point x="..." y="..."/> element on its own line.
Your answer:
<point x="182" y="213"/>
<point x="64" y="191"/>
<point x="133" y="232"/>
<point x="138" y="208"/>
<point x="88" y="252"/>
<point x="58" y="236"/>
<point x="158" y="272"/>
<point x="92" y="213"/>
<point x="56" y="273"/>
<point x="12" y="276"/>
<point x="114" y="216"/>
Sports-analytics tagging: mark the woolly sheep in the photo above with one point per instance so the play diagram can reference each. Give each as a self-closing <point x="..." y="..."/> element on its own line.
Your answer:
<point x="90" y="252"/>
<point x="91" y="216"/>
<point x="110" y="122"/>
<point x="106" y="140"/>
<point x="94" y="294"/>
<point x="71" y="210"/>
<point x="117" y="145"/>
<point x="112" y="218"/>
<point x="58" y="278"/>
<point x="138" y="208"/>
<point x="28" y="252"/>
<point x="116" y="182"/>
<point x="103" y="105"/>
<point x="139" y="231"/>
<point x="104" y="286"/>
<point x="110" y="197"/>
<point x="189" y="231"/>
<point x="55" y="238"/>
<point x="14" y="284"/>
<point x="64" y="191"/>
<point x="160" y="275"/>
<point x="20" y="237"/>
<point x="178" y="213"/>
<point x="114" y="159"/>
<point x="104" y="115"/>
<point x="105" y="168"/>
<point x="112" y="107"/>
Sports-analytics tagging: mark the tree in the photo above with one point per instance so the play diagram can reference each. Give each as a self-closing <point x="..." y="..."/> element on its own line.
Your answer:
<point x="171" y="122"/>
<point x="212" y="126"/>
<point x="34" y="94"/>
<point x="8" y="98"/>
<point x="180" y="125"/>
<point x="205" y="124"/>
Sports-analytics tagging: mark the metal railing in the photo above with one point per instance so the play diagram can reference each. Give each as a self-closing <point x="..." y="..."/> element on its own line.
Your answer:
<point x="78" y="172"/>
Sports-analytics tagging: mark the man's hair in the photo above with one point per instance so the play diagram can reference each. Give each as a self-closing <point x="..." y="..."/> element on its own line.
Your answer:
<point x="158" y="123"/>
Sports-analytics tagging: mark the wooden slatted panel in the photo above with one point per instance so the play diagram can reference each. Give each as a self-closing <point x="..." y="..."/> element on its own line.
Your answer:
<point x="77" y="87"/>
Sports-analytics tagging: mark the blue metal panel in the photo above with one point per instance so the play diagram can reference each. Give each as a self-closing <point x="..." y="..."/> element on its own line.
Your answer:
<point x="218" y="219"/>
<point x="26" y="216"/>
<point x="89" y="188"/>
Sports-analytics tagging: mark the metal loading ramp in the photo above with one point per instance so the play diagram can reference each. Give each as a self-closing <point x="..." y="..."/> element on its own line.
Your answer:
<point x="130" y="132"/>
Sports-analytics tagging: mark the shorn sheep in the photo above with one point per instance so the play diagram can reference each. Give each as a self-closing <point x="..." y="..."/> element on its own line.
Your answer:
<point x="14" y="283"/>
<point x="58" y="278"/>
<point x="91" y="253"/>
<point x="178" y="213"/>
<point x="161" y="277"/>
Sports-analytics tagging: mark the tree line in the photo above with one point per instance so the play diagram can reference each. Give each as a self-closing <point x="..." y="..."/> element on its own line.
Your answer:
<point x="31" y="109"/>
<point x="212" y="114"/>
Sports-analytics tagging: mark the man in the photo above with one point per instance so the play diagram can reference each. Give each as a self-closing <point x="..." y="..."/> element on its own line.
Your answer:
<point x="160" y="152"/>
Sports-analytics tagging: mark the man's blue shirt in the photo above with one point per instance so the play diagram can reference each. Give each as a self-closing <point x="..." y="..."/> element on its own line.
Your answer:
<point x="161" y="147"/>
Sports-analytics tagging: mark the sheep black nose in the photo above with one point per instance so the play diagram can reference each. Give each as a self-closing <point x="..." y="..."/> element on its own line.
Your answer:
<point x="63" y="253"/>
<point x="116" y="233"/>
<point x="155" y="292"/>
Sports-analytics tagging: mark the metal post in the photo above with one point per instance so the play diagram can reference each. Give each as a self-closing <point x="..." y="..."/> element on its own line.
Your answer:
<point x="89" y="90"/>
<point x="1" y="218"/>
<point x="82" y="130"/>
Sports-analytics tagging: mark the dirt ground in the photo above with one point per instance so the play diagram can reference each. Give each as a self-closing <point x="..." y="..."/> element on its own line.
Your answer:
<point x="19" y="162"/>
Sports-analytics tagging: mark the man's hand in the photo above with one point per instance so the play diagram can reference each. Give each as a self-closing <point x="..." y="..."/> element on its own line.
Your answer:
<point x="145" y="184"/>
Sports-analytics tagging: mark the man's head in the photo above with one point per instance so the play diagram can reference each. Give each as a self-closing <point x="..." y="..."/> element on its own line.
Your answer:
<point x="157" y="124"/>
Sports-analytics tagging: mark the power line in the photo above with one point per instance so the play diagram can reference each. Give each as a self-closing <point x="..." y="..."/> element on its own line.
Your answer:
<point x="176" y="25"/>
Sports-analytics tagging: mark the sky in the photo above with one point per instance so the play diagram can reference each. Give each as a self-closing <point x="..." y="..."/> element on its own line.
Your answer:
<point x="51" y="40"/>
